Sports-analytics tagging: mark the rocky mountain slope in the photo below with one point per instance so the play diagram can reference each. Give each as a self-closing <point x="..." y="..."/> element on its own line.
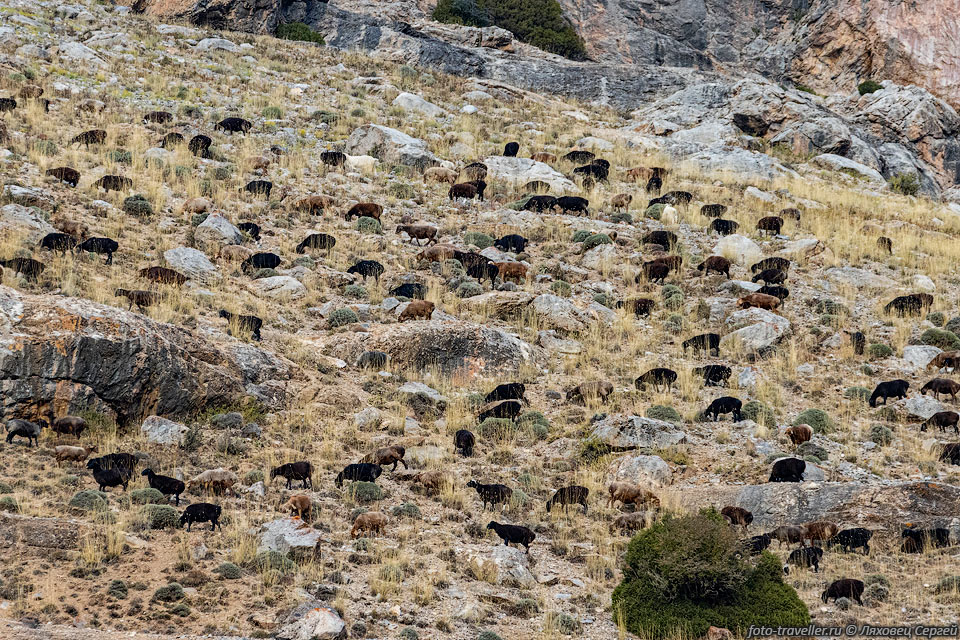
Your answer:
<point x="185" y="391"/>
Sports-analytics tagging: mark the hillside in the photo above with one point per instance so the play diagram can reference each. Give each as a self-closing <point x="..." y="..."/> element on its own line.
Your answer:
<point x="185" y="391"/>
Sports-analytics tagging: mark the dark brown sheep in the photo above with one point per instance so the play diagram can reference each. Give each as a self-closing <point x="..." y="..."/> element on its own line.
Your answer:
<point x="163" y="275"/>
<point x="939" y="386"/>
<point x="417" y="309"/>
<point x="715" y="263"/>
<point x="365" y="210"/>
<point x="599" y="389"/>
<point x="761" y="300"/>
<point x="770" y="223"/>
<point x="464" y="190"/>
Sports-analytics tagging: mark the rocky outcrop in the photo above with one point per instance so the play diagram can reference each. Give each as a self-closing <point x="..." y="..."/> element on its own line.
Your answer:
<point x="44" y="533"/>
<point x="72" y="355"/>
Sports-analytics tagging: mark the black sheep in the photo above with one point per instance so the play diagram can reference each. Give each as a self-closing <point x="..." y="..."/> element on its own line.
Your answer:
<point x="65" y="174"/>
<point x="656" y="377"/>
<point x="890" y="389"/>
<point x="233" y="125"/>
<point x="772" y="224"/>
<point x="165" y="484"/>
<point x="579" y="157"/>
<point x="775" y="290"/>
<point x="713" y="210"/>
<point x="639" y="306"/>
<point x="99" y="246"/>
<point x="770" y="276"/>
<point x="493" y="493"/>
<point x="850" y="539"/>
<point x="844" y="588"/>
<point x="572" y="203"/>
<point x="709" y="342"/>
<point x="113" y="183"/>
<point x="259" y="187"/>
<point x="788" y="470"/>
<point x="724" y="227"/>
<point x="25" y="429"/>
<point x="359" y="472"/>
<point x="262" y="260"/>
<point x="252" y="229"/>
<point x="859" y="342"/>
<point x="677" y="197"/>
<point x="540" y="203"/>
<point x="58" y="242"/>
<point x="513" y="243"/>
<point x="246" y="324"/>
<point x="804" y="558"/>
<point x="7" y="104"/>
<point x="757" y="544"/>
<point x="513" y="533"/>
<point x="294" y="471"/>
<point x="27" y="267"/>
<point x="506" y="409"/>
<point x="566" y="496"/>
<point x="714" y="375"/>
<point x="464" y="190"/>
<point x="726" y="404"/>
<point x="666" y="239"/>
<point x="163" y="275"/>
<point x="885" y="243"/>
<point x="511" y="149"/>
<point x="372" y="360"/>
<point x="202" y="512"/>
<point x="951" y="453"/>
<point x="480" y="186"/>
<point x="199" y="145"/>
<point x="507" y="391"/>
<point x="771" y="263"/>
<point x="655" y="271"/>
<point x="172" y="139"/>
<point x="317" y="241"/>
<point x="87" y="138"/>
<point x="911" y="305"/>
<point x="654" y="185"/>
<point x="333" y="158"/>
<point x="464" y="441"/>
<point x="412" y="290"/>
<point x="109" y="477"/>
<point x="158" y="117"/>
<point x="592" y="170"/>
<point x="917" y="540"/>
<point x="367" y="268"/>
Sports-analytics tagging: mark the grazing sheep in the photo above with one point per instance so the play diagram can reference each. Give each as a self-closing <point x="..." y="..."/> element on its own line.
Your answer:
<point x="714" y="375"/>
<point x="74" y="454"/>
<point x="516" y="271"/>
<point x="419" y="232"/>
<point x="911" y="305"/>
<point x="715" y="263"/>
<point x="511" y="149"/>
<point x="235" y="253"/>
<point x="737" y="516"/>
<point x="790" y="212"/>
<point x="259" y="187"/>
<point x="439" y="174"/>
<point x="493" y="493"/>
<point x="759" y="300"/>
<point x="317" y="241"/>
<point x="163" y="275"/>
<point x="387" y="455"/>
<point x="775" y="290"/>
<point x="261" y="260"/>
<point x="158" y="117"/>
<point x="724" y="227"/>
<point x="245" y="324"/>
<point x="772" y="224"/>
<point x="87" y="138"/>
<point x="104" y="476"/>
<point x="71" y="227"/>
<point x="474" y="171"/>
<point x="72" y="425"/>
<point x="859" y="342"/>
<point x="943" y="420"/>
<point x="790" y="533"/>
<point x="673" y="263"/>
<point x="171" y="140"/>
<point x="480" y="186"/>
<point x="438" y="253"/>
<point x="945" y="360"/>
<point x="756" y="544"/>
<point x="233" y="125"/>
<point x="885" y="244"/>
<point x="367" y="268"/>
<point x="365" y="210"/>
<point x="434" y="481"/>
<point x="543" y="156"/>
<point x="363" y="164"/>
<point x="643" y="173"/>
<point x="99" y="246"/>
<point x="359" y="472"/>
<point x="315" y="204"/>
<point x="65" y="174"/>
<point x="850" y="539"/>
<point x="513" y="243"/>
<point x="165" y="484"/>
<point x="301" y="505"/>
<point x="844" y="588"/>
<point x="788" y="470"/>
<point x="507" y="391"/>
<point x="639" y="306"/>
<point x="335" y="159"/>
<point x="215" y="481"/>
<point x="252" y="229"/>
<point x="513" y="533"/>
<point x="412" y="290"/>
<point x="7" y="104"/>
<point x="950" y="453"/>
<point x="58" y="242"/>
<point x="799" y="434"/>
<point x="725" y="404"/>
<point x="655" y="272"/>
<point x="25" y="429"/>
<point x="202" y="512"/>
<point x="804" y="558"/>
<point x="27" y="267"/>
<point x="820" y="531"/>
<point x="677" y="198"/>
<point x="540" y="203"/>
<point x="629" y="522"/>
<point x="939" y="386"/>
<point x="113" y="183"/>
<point x="126" y="461"/>
<point x="464" y="441"/>
<point x="770" y="276"/>
<point x="599" y="390"/>
<point x="666" y="239"/>
<point x="462" y="190"/>
<point x="566" y="496"/>
<point x="504" y="409"/>
<point x="654" y="185"/>
<point x="199" y="145"/>
<point x="573" y="204"/>
<point x="890" y="389"/>
<point x="709" y="342"/>
<point x="713" y="210"/>
<point x="631" y="494"/>
<point x="372" y="360"/>
<point x="593" y="171"/>
<point x="291" y="471"/>
<point x="656" y="377"/>
<point x="917" y="540"/>
<point x="415" y="310"/>
<point x="139" y="297"/>
<point x="781" y="264"/>
<point x="371" y="522"/>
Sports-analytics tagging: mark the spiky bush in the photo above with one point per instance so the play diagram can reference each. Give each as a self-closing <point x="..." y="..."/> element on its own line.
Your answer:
<point x="818" y="420"/>
<point x="343" y="316"/>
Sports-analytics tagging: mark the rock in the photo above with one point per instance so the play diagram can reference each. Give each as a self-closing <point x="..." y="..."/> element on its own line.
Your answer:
<point x="368" y="418"/>
<point x="839" y="163"/>
<point x="286" y="535"/>
<point x="503" y="305"/>
<point x="232" y="420"/>
<point x="815" y="135"/>
<point x="513" y="567"/>
<point x="257" y="489"/>
<point x="558" y="313"/>
<point x="550" y="341"/>
<point x="747" y="379"/>
<point x="424" y="455"/>
<point x="216" y="231"/>
<point x="621" y="430"/>
<point x="706" y="134"/>
<point x="413" y="102"/>
<point x="640" y="469"/>
<point x="718" y="633"/>
<point x="517" y="172"/>
<point x="918" y="356"/>
<point x="924" y="284"/>
<point x="739" y="249"/>
<point x="162" y="431"/>
<point x="921" y="407"/>
<point x="740" y="162"/>
<point x="390" y="146"/>
<point x="16" y="219"/>
<point x="423" y="399"/>
<point x="80" y="54"/>
<point x="28" y="197"/>
<point x="279" y="288"/>
<point x="312" y="621"/>
<point x="216" y="44"/>
<point x="604" y="254"/>
<point x="251" y="430"/>
<point x="757" y="194"/>
<point x="198" y="550"/>
<point x="859" y="278"/>
<point x="17" y="531"/>
<point x="803" y="248"/>
<point x="758" y="330"/>
<point x="191" y="263"/>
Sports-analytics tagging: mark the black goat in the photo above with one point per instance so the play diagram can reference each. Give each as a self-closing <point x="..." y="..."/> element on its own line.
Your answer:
<point x="724" y="227"/>
<point x="804" y="558"/>
<point x="713" y="210"/>
<point x="109" y="477"/>
<point x="262" y="260"/>
<point x="25" y="429"/>
<point x="368" y="268"/>
<point x="259" y="187"/>
<point x="714" y="375"/>
<point x="87" y="138"/>
<point x="28" y="267"/>
<point x="464" y="441"/>
<point x="492" y="493"/>
<point x="58" y="242"/>
<point x="890" y="389"/>
<point x="775" y="290"/>
<point x="511" y="149"/>
<point x="246" y="324"/>
<point x="317" y="241"/>
<point x="252" y="229"/>
<point x="726" y="404"/>
<point x="579" y="157"/>
<point x="507" y="391"/>
<point x="656" y="377"/>
<point x="788" y="470"/>
<point x="757" y="544"/>
<point x="126" y="461"/>
<point x="233" y="125"/>
<point x="540" y="203"/>
<point x="859" y="342"/>
<point x="113" y="183"/>
<point x="199" y="145"/>
<point x="844" y="588"/>
<point x="333" y="158"/>
<point x="513" y="242"/>
<point x="572" y="203"/>
<point x="771" y="263"/>
<point x="99" y="246"/>
<point x="507" y="409"/>
<point x="165" y="484"/>
<point x="911" y="305"/>
<point x="850" y="539"/>
<point x="294" y="471"/>
<point x="666" y="239"/>
<point x="566" y="496"/>
<point x="412" y="290"/>
<point x="202" y="512"/>
<point x="513" y="533"/>
<point x="709" y="342"/>
<point x="172" y="139"/>
<point x="65" y="174"/>
<point x="359" y="472"/>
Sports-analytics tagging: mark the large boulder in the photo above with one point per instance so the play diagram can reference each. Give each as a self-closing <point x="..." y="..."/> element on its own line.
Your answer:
<point x="630" y="431"/>
<point x="312" y="621"/>
<point x="558" y="313"/>
<point x="216" y="231"/>
<point x="920" y="407"/>
<point x="918" y="356"/>
<point x="501" y="304"/>
<point x="286" y="535"/>
<point x="279" y="287"/>
<point x="512" y="565"/>
<point x="162" y="431"/>
<point x="839" y="163"/>
<point x="641" y="469"/>
<point x="519" y="171"/>
<point x="192" y="263"/>
<point x="17" y="219"/>
<point x="390" y="146"/>
<point x="413" y="102"/>
<point x="756" y="330"/>
<point x="742" y="163"/>
<point x="739" y="249"/>
<point x="859" y="278"/>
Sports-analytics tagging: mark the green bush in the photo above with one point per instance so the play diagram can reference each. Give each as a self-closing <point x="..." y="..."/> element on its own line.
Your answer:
<point x="488" y="635"/>
<point x="684" y="575"/>
<point x="478" y="239"/>
<point x="561" y="288"/>
<point x="89" y="500"/>
<point x="759" y="413"/>
<point x="170" y="593"/>
<point x="581" y="235"/>
<point x="937" y="319"/>
<point x="117" y="589"/>
<point x="661" y="412"/>
<point x="881" y="435"/>
<point x="409" y="633"/>
<point x="147" y="496"/>
<point x="120" y="156"/>
<point x="274" y="561"/>
<point x="953" y="324"/>
<point x="496" y="427"/>
<point x="264" y="273"/>
<point x="563" y="622"/>
<point x="811" y="450"/>
<point x="229" y="571"/>
<point x="621" y="216"/>
<point x="366" y="224"/>
<point x="343" y="316"/>
<point x="137" y="205"/>
<point x="272" y="113"/>
<point x="181" y="610"/>
<point x="8" y="504"/>
<point x="654" y="211"/>
<point x="298" y="31"/>
<point x="905" y="184"/>
<point x="325" y="117"/>
<point x="596" y="240"/>
<point x="365" y="491"/>
<point x="252" y="477"/>
<point x="818" y="420"/>
<point x="869" y="86"/>
<point x="402" y="190"/>
<point x="537" y="22"/>
<point x="160" y="516"/>
<point x="46" y="147"/>
<point x="469" y="289"/>
<point x="857" y="393"/>
<point x="356" y="291"/>
<point x="942" y="338"/>
<point x="406" y="510"/>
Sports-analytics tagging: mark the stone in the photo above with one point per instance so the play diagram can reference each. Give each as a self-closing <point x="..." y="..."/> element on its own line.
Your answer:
<point x="513" y="567"/>
<point x="918" y="356"/>
<point x="553" y="343"/>
<point x="756" y="330"/>
<point x="15" y="219"/>
<point x="739" y="249"/>
<point x="921" y="407"/>
<point x="923" y="283"/>
<point x="413" y="102"/>
<point x="79" y="54"/>
<point x="217" y="44"/>
<point x="803" y="248"/>
<point x="279" y="288"/>
<point x="742" y="163"/>
<point x="597" y="257"/>
<point x="747" y="379"/>
<point x="18" y="531"/>
<point x="192" y="263"/>
<point x="390" y="146"/>
<point x="368" y="418"/>
<point x="216" y="231"/>
<point x="162" y="431"/>
<point x="232" y="420"/>
<point x="517" y="172"/>
<point x="757" y="194"/>
<point x="28" y="196"/>
<point x="423" y="398"/>
<point x="859" y="278"/>
<point x="503" y="305"/>
<point x="641" y="469"/>
<point x="312" y="621"/>
<point x="558" y="313"/>
<point x="839" y="163"/>
<point x="286" y="535"/>
<point x="622" y="430"/>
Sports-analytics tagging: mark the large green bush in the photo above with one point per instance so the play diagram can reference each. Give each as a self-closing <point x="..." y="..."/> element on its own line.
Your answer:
<point x="940" y="338"/>
<point x="684" y="574"/>
<point x="818" y="419"/>
<point x="537" y="22"/>
<point x="869" y="86"/>
<point x="298" y="31"/>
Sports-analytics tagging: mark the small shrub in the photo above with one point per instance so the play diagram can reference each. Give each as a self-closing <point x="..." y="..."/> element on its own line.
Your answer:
<point x="622" y="216"/>
<point x="272" y="113"/>
<point x="906" y="184"/>
<point x="264" y="273"/>
<point x="89" y="500"/>
<point x="818" y="420"/>
<point x="811" y="450"/>
<point x="661" y="412"/>
<point x="298" y="31"/>
<point x="469" y="289"/>
<point x="843" y="604"/>
<point x="252" y="477"/>
<point x="759" y="413"/>
<point x="409" y="633"/>
<point x="857" y="393"/>
<point x="875" y="594"/>
<point x="274" y="561"/>
<point x="229" y="571"/>
<point x="937" y="319"/>
<point x="561" y="288"/>
<point x="342" y="317"/>
<point x="117" y="589"/>
<point x="563" y="622"/>
<point x="581" y="235"/>
<point x="181" y="610"/>
<point x="596" y="240"/>
<point x="365" y="491"/>
<point x="5" y="488"/>
<point x="120" y="156"/>
<point x="192" y="439"/>
<point x="160" y="516"/>
<point x="356" y="291"/>
<point x="868" y="86"/>
<point x="369" y="225"/>
<point x="478" y="239"/>
<point x="406" y="510"/>
<point x="9" y="505"/>
<point x="489" y="635"/>
<point x="170" y="593"/>
<point x="496" y="427"/>
<point x="147" y="496"/>
<point x="654" y="211"/>
<point x="946" y="340"/>
<point x="137" y="205"/>
<point x="325" y="117"/>
<point x="46" y="148"/>
<point x="402" y="190"/>
<point x="881" y="435"/>
<point x="953" y="324"/>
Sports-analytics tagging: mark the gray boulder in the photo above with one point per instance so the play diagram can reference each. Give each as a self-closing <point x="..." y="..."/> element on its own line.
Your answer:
<point x="192" y="263"/>
<point x="312" y="621"/>
<point x="621" y="430"/>
<point x="286" y="535"/>
<point x="390" y="146"/>
<point x="159" y="430"/>
<point x="519" y="171"/>
<point x="641" y="469"/>
<point x="216" y="231"/>
<point x="16" y="219"/>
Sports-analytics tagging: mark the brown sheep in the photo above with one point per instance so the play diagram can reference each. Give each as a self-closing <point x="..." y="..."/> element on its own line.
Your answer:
<point x="737" y="516"/>
<point x="788" y="533"/>
<point x="434" y="481"/>
<point x="463" y="190"/>
<point x="314" y="204"/>
<point x="74" y="454"/>
<point x="235" y="253"/>
<point x="621" y="201"/>
<point x="945" y="360"/>
<point x="299" y="504"/>
<point x="760" y="300"/>
<point x="215" y="480"/>
<point x="639" y="173"/>
<point x="631" y="493"/>
<point x="939" y="386"/>
<point x="820" y="531"/>
<point x="672" y="263"/>
<point x="597" y="389"/>
<point x="197" y="205"/>
<point x="631" y="521"/>
<point x="511" y="271"/>
<point x="715" y="263"/>
<point x="439" y="174"/>
<point x="416" y="309"/>
<point x="799" y="434"/>
<point x="545" y="157"/>
<point x="437" y="253"/>
<point x="419" y="232"/>
<point x="770" y="223"/>
<point x="371" y="522"/>
<point x="365" y="210"/>
<point x="72" y="228"/>
<point x="387" y="455"/>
